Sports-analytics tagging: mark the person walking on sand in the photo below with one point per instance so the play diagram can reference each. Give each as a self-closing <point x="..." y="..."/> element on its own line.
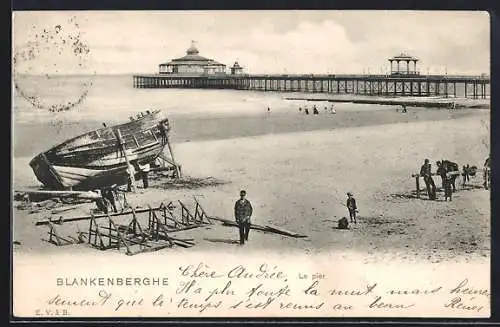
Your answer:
<point x="242" y="213"/>
<point x="109" y="195"/>
<point x="145" y="175"/>
<point x="465" y="175"/>
<point x="487" y="173"/>
<point x="306" y="111"/>
<point x="425" y="172"/>
<point x="352" y="207"/>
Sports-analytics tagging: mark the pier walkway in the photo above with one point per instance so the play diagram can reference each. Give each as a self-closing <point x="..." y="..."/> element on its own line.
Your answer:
<point x="477" y="87"/>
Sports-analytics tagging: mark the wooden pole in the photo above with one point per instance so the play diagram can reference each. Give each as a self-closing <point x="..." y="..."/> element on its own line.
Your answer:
<point x="129" y="166"/>
<point x="177" y="170"/>
<point x="417" y="182"/>
<point x="61" y="220"/>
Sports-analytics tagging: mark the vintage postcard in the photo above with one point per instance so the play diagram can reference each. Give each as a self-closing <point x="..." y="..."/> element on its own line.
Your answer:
<point x="251" y="164"/>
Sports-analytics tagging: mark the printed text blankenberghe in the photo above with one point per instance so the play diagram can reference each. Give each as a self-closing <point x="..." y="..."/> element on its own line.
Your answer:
<point x="111" y="281"/>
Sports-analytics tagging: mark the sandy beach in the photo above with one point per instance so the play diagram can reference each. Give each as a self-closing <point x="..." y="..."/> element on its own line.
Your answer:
<point x="297" y="170"/>
<point x="384" y="91"/>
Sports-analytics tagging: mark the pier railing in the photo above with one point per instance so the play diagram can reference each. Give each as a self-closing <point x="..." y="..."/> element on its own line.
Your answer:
<point x="382" y="85"/>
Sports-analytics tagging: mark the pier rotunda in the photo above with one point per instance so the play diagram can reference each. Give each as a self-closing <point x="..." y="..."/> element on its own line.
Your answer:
<point x="192" y="64"/>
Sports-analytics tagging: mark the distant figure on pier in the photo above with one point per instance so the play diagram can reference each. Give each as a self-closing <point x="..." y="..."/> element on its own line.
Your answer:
<point x="306" y="111"/>
<point x="300" y="109"/>
<point x="268" y="110"/>
<point x="326" y="109"/>
<point x="332" y="110"/>
<point x="315" y="111"/>
<point x="403" y="108"/>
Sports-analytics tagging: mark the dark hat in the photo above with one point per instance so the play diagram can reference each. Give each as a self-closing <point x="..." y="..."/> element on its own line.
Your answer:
<point x="243" y="192"/>
<point x="349" y="193"/>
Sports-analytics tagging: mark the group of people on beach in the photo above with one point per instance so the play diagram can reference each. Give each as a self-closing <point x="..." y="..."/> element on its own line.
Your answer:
<point x="449" y="171"/>
<point x="315" y="110"/>
<point x="243" y="211"/>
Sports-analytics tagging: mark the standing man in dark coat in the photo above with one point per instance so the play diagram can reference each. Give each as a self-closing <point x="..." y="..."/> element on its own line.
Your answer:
<point x="425" y="172"/>
<point x="242" y="213"/>
<point x="487" y="173"/>
<point x="465" y="175"/>
<point x="445" y="167"/>
<point x="352" y="207"/>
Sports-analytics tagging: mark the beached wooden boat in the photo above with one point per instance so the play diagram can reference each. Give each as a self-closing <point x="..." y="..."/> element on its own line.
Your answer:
<point x="97" y="159"/>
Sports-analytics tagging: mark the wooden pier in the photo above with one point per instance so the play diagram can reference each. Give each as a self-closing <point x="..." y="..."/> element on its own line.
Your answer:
<point x="476" y="87"/>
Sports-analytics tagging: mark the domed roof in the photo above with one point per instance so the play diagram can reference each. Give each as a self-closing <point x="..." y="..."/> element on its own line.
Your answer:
<point x="404" y="56"/>
<point x="192" y="50"/>
<point x="192" y="54"/>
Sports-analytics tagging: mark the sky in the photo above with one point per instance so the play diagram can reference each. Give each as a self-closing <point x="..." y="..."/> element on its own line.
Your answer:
<point x="316" y="42"/>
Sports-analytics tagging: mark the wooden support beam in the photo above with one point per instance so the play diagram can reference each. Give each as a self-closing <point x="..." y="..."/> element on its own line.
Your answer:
<point x="267" y="228"/>
<point x="203" y="213"/>
<point x="130" y="169"/>
<point x="55" y="238"/>
<point x="61" y="220"/>
<point x="167" y="214"/>
<point x="120" y="236"/>
<point x="185" y="214"/>
<point x="160" y="227"/>
<point x="142" y="242"/>
<point x="97" y="234"/>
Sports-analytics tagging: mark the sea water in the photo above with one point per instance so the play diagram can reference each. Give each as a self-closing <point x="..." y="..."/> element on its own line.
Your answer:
<point x="113" y="98"/>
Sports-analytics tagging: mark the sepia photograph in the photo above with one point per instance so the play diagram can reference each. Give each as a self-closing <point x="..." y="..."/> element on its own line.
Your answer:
<point x="251" y="163"/>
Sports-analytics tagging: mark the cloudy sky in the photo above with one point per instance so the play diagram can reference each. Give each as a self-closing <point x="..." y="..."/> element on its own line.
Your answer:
<point x="262" y="41"/>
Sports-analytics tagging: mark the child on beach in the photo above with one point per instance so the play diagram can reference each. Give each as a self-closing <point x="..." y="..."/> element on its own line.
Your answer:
<point x="448" y="189"/>
<point x="352" y="207"/>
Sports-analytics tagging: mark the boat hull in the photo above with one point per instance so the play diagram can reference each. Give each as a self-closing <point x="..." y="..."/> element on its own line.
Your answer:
<point x="83" y="178"/>
<point x="83" y="163"/>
